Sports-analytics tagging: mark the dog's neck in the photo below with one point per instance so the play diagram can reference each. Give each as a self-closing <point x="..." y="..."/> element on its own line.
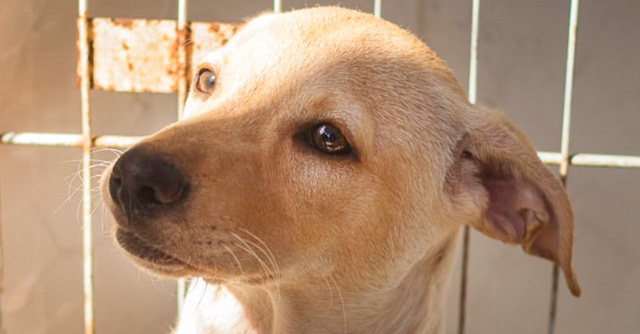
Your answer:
<point x="414" y="304"/>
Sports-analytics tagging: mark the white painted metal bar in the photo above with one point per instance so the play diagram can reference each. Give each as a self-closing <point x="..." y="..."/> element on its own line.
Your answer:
<point x="568" y="87"/>
<point x="2" y="331"/>
<point x="564" y="145"/>
<point x="605" y="160"/>
<point x="64" y="139"/>
<point x="377" y="8"/>
<point x="473" y="93"/>
<point x="277" y="6"/>
<point x="124" y="142"/>
<point x="87" y="144"/>
<point x="183" y="91"/>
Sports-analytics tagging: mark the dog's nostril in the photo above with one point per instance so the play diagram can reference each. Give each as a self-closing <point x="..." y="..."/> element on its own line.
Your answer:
<point x="142" y="182"/>
<point x="115" y="183"/>
<point x="147" y="196"/>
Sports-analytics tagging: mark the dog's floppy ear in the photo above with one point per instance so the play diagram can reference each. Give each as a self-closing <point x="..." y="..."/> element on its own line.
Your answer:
<point x="516" y="198"/>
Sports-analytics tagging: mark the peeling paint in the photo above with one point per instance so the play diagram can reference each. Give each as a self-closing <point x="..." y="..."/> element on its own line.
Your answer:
<point x="136" y="55"/>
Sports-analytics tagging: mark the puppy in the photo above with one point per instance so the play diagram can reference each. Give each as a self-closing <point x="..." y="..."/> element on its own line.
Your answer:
<point x="326" y="164"/>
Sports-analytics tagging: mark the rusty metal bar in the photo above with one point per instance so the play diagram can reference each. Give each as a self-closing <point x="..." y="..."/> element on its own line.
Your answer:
<point x="133" y="55"/>
<point x="87" y="144"/>
<point x="564" y="145"/>
<point x="138" y="55"/>
<point x="183" y="91"/>
<point x="473" y="95"/>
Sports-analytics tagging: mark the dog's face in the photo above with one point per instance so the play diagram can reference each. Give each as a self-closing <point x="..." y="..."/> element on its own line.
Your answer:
<point x="325" y="140"/>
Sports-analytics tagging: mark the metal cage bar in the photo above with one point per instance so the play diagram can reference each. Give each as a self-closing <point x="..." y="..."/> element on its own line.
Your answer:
<point x="377" y="8"/>
<point x="1" y="267"/>
<point x="87" y="142"/>
<point x="277" y="6"/>
<point x="473" y="97"/>
<point x="124" y="142"/>
<point x="183" y="90"/>
<point x="564" y="144"/>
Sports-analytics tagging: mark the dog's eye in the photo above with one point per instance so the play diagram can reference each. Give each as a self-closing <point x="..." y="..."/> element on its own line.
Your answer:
<point x="328" y="139"/>
<point x="205" y="81"/>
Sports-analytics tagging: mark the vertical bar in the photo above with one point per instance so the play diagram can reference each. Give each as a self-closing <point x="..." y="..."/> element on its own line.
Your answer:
<point x="182" y="56"/>
<point x="473" y="59"/>
<point x="377" y="8"/>
<point x="183" y="91"/>
<point x="568" y="87"/>
<point x="473" y="93"/>
<point x="1" y="268"/>
<point x="277" y="6"/>
<point x="87" y="143"/>
<point x="564" y="145"/>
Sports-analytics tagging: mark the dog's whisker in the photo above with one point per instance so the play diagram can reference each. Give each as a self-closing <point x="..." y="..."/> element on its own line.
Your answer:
<point x="78" y="174"/>
<point x="330" y="293"/>
<point x="270" y="255"/>
<point x="115" y="151"/>
<point x="344" y="312"/>
<point x="250" y="250"/>
<point x="235" y="258"/>
<point x="73" y="191"/>
<point x="204" y="293"/>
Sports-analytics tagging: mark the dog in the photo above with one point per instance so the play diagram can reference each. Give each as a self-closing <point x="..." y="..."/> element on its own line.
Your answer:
<point x="325" y="166"/>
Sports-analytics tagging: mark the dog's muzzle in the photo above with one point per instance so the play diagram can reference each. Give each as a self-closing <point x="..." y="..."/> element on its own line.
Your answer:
<point x="142" y="183"/>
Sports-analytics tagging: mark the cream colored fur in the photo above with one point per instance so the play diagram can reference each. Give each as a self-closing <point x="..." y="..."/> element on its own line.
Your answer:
<point x="288" y="240"/>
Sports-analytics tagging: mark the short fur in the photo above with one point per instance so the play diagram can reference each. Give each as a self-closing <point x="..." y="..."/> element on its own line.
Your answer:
<point x="289" y="240"/>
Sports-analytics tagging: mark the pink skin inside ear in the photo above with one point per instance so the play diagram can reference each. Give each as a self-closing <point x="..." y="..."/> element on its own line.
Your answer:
<point x="517" y="209"/>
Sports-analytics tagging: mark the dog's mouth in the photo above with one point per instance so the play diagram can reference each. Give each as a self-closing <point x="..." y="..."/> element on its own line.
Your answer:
<point x="159" y="262"/>
<point x="140" y="249"/>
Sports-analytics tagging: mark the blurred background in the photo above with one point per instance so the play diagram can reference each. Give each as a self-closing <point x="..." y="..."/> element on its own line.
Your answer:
<point x="522" y="54"/>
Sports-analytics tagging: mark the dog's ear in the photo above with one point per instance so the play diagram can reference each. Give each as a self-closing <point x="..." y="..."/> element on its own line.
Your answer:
<point x="515" y="198"/>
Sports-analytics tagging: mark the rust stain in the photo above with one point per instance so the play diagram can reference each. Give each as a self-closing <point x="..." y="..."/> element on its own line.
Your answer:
<point x="132" y="55"/>
<point x="214" y="27"/>
<point x="89" y="23"/>
<point x="126" y="23"/>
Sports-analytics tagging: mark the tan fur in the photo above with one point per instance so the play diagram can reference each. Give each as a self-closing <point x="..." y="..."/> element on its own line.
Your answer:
<point x="291" y="241"/>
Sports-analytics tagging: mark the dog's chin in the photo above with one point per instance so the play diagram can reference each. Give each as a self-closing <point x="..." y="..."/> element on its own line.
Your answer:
<point x="160" y="263"/>
<point x="151" y="258"/>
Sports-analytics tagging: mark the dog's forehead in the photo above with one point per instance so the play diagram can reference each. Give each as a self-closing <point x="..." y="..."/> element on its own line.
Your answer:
<point x="279" y="57"/>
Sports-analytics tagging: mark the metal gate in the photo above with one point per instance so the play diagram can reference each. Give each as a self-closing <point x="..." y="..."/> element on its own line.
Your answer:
<point x="115" y="55"/>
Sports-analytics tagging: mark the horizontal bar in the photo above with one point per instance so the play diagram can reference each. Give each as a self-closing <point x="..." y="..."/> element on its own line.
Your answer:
<point x="41" y="139"/>
<point x="123" y="142"/>
<point x="592" y="160"/>
<point x="550" y="158"/>
<point x="605" y="160"/>
<point x="65" y="140"/>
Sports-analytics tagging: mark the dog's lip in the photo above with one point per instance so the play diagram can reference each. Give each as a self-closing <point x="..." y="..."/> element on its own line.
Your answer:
<point x="137" y="247"/>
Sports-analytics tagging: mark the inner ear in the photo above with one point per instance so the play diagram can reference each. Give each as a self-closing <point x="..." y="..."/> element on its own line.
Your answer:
<point x="502" y="189"/>
<point x="516" y="208"/>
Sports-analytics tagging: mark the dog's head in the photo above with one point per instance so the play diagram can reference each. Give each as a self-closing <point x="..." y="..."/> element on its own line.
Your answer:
<point x="326" y="140"/>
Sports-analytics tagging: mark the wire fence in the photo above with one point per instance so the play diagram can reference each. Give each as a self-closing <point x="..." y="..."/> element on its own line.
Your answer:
<point x="187" y="31"/>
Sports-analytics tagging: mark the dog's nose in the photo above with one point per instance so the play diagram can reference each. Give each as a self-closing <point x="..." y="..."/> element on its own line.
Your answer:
<point x="142" y="182"/>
